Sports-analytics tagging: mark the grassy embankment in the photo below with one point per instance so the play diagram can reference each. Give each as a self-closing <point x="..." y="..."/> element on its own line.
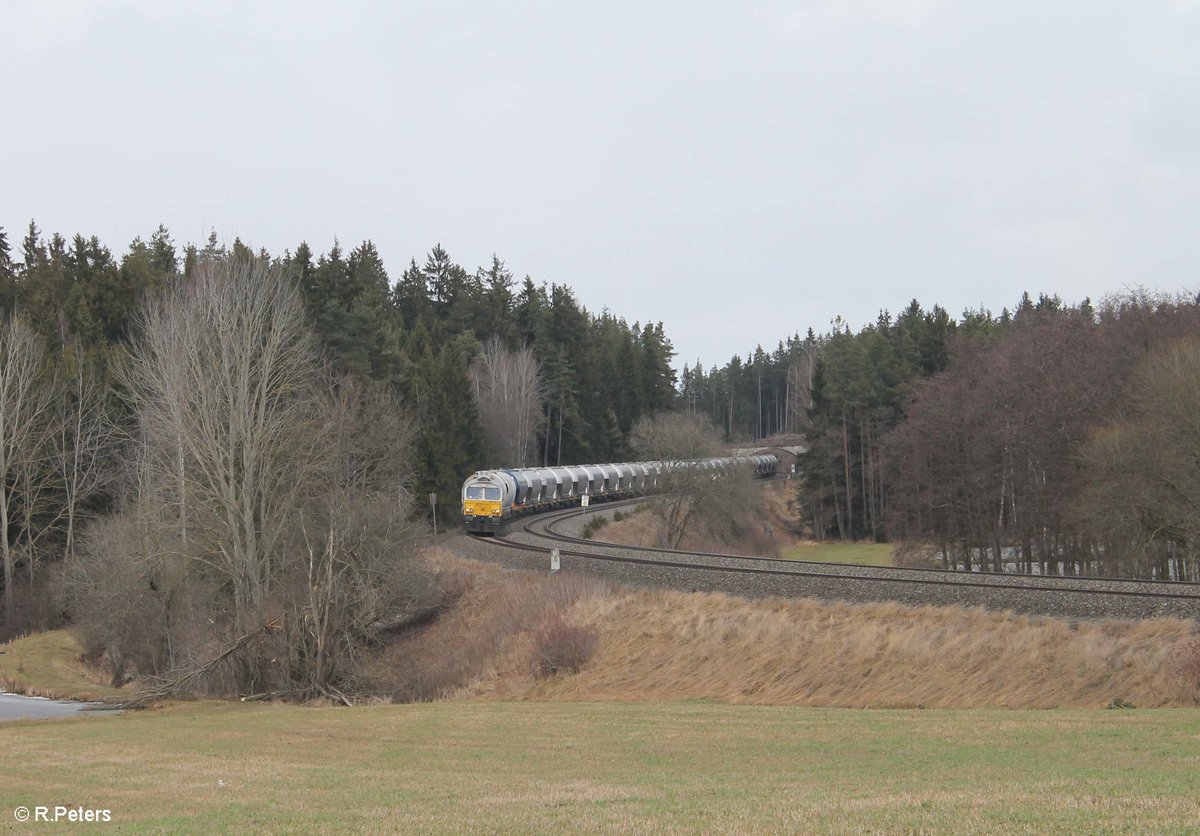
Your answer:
<point x="47" y="665"/>
<point x="675" y="645"/>
<point x="552" y="767"/>
<point x="663" y="645"/>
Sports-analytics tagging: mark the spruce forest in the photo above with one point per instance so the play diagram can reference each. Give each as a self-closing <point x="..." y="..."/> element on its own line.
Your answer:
<point x="1051" y="437"/>
<point x="418" y="332"/>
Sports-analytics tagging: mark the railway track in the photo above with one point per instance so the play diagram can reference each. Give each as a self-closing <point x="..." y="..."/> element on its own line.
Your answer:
<point x="529" y="542"/>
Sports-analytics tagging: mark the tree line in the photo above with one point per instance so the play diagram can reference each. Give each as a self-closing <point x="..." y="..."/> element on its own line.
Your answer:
<point x="1051" y="437"/>
<point x="420" y="333"/>
<point x="1066" y="442"/>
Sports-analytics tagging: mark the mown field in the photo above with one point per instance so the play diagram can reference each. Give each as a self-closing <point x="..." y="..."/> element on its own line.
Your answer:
<point x="648" y="767"/>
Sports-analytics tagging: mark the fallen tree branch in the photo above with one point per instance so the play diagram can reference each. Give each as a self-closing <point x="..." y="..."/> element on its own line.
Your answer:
<point x="173" y="686"/>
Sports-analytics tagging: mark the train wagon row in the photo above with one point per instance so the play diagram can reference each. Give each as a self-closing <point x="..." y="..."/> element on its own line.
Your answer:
<point x="492" y="497"/>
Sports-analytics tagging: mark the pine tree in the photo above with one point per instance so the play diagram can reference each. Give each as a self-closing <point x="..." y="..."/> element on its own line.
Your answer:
<point x="299" y="267"/>
<point x="8" y="275"/>
<point x="658" y="375"/>
<point x="496" y="315"/>
<point x="410" y="298"/>
<point x="162" y="252"/>
<point x="32" y="249"/>
<point x="531" y="313"/>
<point x="444" y="281"/>
<point x="99" y="304"/>
<point x="449" y="444"/>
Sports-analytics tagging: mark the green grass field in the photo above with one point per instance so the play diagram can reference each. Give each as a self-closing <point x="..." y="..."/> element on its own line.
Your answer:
<point x="872" y="554"/>
<point x="651" y="767"/>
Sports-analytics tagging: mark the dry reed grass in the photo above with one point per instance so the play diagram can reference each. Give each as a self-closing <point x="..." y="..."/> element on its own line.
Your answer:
<point x="495" y="612"/>
<point x="671" y="645"/>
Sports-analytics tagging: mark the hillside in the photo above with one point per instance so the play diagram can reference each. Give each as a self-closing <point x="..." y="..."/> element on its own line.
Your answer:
<point x="488" y="640"/>
<point x="652" y="645"/>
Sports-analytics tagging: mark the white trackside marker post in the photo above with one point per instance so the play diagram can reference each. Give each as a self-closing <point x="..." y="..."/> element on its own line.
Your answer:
<point x="584" y="501"/>
<point x="553" y="560"/>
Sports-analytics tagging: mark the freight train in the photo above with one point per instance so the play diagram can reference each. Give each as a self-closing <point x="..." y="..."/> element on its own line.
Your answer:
<point x="491" y="498"/>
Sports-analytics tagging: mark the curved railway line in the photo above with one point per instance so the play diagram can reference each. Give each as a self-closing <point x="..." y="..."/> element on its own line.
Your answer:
<point x="528" y="543"/>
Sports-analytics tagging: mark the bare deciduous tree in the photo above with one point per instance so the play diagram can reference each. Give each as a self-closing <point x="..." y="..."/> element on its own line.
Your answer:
<point x="989" y="465"/>
<point x="348" y="583"/>
<point x="508" y="391"/>
<point x="222" y="380"/>
<point x="26" y="406"/>
<point x="84" y="438"/>
<point x="1142" y="494"/>
<point x="265" y="522"/>
<point x="687" y="492"/>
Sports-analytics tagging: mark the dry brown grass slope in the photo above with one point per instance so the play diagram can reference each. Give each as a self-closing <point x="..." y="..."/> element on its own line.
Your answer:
<point x="492" y="609"/>
<point x="671" y="645"/>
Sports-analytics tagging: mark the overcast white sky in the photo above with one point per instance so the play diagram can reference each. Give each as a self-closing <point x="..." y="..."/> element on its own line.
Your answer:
<point x="738" y="170"/>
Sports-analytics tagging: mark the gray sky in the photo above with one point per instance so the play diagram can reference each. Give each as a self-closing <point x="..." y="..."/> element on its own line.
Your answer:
<point x="740" y="171"/>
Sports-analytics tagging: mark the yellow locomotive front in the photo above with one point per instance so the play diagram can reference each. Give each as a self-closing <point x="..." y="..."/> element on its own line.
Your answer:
<point x="479" y="501"/>
<point x="483" y="502"/>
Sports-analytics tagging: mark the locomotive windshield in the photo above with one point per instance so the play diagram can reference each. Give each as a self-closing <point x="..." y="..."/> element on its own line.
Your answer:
<point x="478" y="492"/>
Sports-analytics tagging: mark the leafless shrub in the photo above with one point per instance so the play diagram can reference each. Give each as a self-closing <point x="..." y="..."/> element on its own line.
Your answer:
<point x="458" y="648"/>
<point x="348" y="575"/>
<point x="562" y="647"/>
<point x="913" y="555"/>
<point x="735" y="521"/>
<point x="118" y="592"/>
